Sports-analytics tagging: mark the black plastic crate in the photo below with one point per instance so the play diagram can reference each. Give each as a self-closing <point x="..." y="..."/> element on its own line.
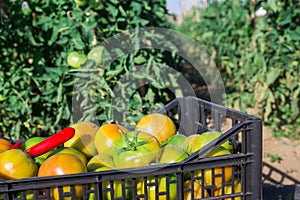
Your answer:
<point x="186" y="178"/>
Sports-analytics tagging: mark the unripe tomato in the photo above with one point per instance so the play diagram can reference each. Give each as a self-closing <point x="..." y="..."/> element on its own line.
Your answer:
<point x="16" y="164"/>
<point x="33" y="141"/>
<point x="192" y="143"/>
<point x="76" y="59"/>
<point x="135" y="150"/>
<point x="107" y="137"/>
<point x="84" y="137"/>
<point x="96" y="4"/>
<point x="80" y="3"/>
<point x="100" y="161"/>
<point x="171" y="154"/>
<point x="159" y="125"/>
<point x="195" y="142"/>
<point x="61" y="164"/>
<point x="96" y="54"/>
<point x="176" y="140"/>
<point x="207" y="137"/>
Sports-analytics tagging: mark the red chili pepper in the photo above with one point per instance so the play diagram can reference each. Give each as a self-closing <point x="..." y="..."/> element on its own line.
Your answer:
<point x="51" y="142"/>
<point x="17" y="145"/>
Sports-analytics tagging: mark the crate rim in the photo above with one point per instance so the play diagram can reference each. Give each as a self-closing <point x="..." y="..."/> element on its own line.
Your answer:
<point x="212" y="104"/>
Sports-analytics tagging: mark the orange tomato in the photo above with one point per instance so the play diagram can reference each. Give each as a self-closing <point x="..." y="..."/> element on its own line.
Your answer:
<point x="4" y="144"/>
<point x="72" y="151"/>
<point x="159" y="125"/>
<point x="61" y="164"/>
<point x="197" y="191"/>
<point x="228" y="190"/>
<point x="218" y="171"/>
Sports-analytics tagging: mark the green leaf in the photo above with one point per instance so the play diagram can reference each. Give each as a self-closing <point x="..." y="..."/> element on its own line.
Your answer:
<point x="32" y="39"/>
<point x="113" y="10"/>
<point x="287" y="19"/>
<point x="272" y="4"/>
<point x="272" y="75"/>
<point x="295" y="35"/>
<point x="122" y="11"/>
<point x="88" y="34"/>
<point x="140" y="59"/>
<point x="63" y="40"/>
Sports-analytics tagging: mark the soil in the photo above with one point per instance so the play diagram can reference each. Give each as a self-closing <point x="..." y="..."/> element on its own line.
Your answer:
<point x="285" y="168"/>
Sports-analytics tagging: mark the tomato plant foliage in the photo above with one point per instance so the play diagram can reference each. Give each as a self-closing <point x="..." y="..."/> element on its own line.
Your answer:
<point x="258" y="56"/>
<point x="36" y="83"/>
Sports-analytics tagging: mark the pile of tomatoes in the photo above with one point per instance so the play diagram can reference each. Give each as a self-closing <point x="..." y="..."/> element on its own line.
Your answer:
<point x="154" y="140"/>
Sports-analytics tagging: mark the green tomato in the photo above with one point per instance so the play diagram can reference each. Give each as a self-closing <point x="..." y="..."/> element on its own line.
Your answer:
<point x="97" y="4"/>
<point x="136" y="149"/>
<point x="100" y="161"/>
<point x="171" y="154"/>
<point x="191" y="143"/>
<point x="80" y="3"/>
<point x="33" y="141"/>
<point x="176" y="140"/>
<point x="96" y="54"/>
<point x="39" y="161"/>
<point x="207" y="137"/>
<point x="76" y="59"/>
<point x="196" y="141"/>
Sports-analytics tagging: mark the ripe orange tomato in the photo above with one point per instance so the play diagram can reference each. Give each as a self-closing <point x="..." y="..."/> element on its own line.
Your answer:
<point x="159" y="125"/>
<point x="61" y="164"/>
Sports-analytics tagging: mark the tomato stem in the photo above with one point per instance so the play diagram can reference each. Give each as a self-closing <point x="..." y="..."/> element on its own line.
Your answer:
<point x="135" y="136"/>
<point x="133" y="144"/>
<point x="124" y="137"/>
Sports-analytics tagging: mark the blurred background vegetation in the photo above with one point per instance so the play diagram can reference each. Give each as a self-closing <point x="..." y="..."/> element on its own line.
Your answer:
<point x="256" y="45"/>
<point x="258" y="57"/>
